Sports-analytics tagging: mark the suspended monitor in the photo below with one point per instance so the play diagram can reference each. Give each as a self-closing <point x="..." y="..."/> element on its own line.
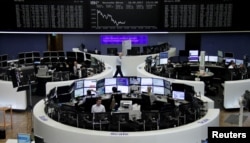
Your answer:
<point x="100" y="83"/>
<point x="78" y="92"/>
<point x="193" y="56"/>
<point x="163" y="57"/>
<point x="206" y="58"/>
<point x="79" y="84"/>
<point x="36" y="54"/>
<point x="88" y="56"/>
<point x="228" y="60"/>
<point x="4" y="57"/>
<point x="183" y="53"/>
<point x="134" y="80"/>
<point x="213" y="59"/>
<point x="71" y="54"/>
<point x="61" y="54"/>
<point x="110" y="81"/>
<point x="91" y="83"/>
<point x="228" y="55"/>
<point x="146" y="81"/>
<point x="122" y="81"/>
<point x="158" y="90"/>
<point x="220" y="53"/>
<point x="178" y="95"/>
<point x="21" y="55"/>
<point x="53" y="54"/>
<point x="123" y="89"/>
<point x="28" y="55"/>
<point x="158" y="82"/>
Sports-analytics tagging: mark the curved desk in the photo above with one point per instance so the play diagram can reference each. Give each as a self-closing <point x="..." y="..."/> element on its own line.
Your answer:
<point x="55" y="132"/>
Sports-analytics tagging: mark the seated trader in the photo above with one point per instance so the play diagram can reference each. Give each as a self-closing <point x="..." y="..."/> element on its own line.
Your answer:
<point x="83" y="99"/>
<point x="77" y="69"/>
<point x="232" y="65"/>
<point x="98" y="107"/>
<point x="151" y="95"/>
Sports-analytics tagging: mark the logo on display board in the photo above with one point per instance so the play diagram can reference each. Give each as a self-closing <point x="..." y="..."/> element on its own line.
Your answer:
<point x="43" y="118"/>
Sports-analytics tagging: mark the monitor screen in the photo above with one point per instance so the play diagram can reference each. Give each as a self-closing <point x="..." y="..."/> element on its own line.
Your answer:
<point x="134" y="80"/>
<point x="78" y="92"/>
<point x="206" y="59"/>
<point x="79" y="84"/>
<point x="146" y="81"/>
<point x="110" y="81"/>
<point x="167" y="84"/>
<point x="238" y="61"/>
<point x="144" y="89"/>
<point x="193" y="56"/>
<point x="220" y="53"/>
<point x="21" y="55"/>
<point x="90" y="83"/>
<point x="163" y="61"/>
<point x="167" y="91"/>
<point x="228" y="60"/>
<point x="28" y="55"/>
<point x="100" y="83"/>
<point x="183" y="53"/>
<point x="122" y="81"/>
<point x="108" y="89"/>
<point x="228" y="55"/>
<point x="123" y="89"/>
<point x="158" y="90"/>
<point x="86" y="89"/>
<point x="101" y="90"/>
<point x="213" y="59"/>
<point x="23" y="138"/>
<point x="158" y="82"/>
<point x="178" y="95"/>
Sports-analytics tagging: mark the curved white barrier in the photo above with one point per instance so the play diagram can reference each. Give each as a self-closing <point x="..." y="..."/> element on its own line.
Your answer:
<point x="232" y="92"/>
<point x="10" y="96"/>
<point x="55" y="132"/>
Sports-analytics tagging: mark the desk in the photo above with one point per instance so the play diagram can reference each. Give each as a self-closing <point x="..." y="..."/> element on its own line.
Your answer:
<point x="6" y="124"/>
<point x="55" y="132"/>
<point x="205" y="74"/>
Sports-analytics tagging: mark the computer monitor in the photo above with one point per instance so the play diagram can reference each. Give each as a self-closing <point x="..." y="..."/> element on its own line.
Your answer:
<point x="134" y="80"/>
<point x="167" y="91"/>
<point x="28" y="55"/>
<point x="79" y="84"/>
<point x="178" y="95"/>
<point x="167" y="84"/>
<point x="158" y="90"/>
<point x="86" y="89"/>
<point x="110" y="81"/>
<point x="78" y="92"/>
<point x="228" y="55"/>
<point x="21" y="55"/>
<point x="123" y="89"/>
<point x="206" y="59"/>
<point x="146" y="81"/>
<point x="213" y="59"/>
<point x="163" y="61"/>
<point x="23" y="138"/>
<point x="228" y="60"/>
<point x="238" y="61"/>
<point x="100" y="83"/>
<point x="193" y="56"/>
<point x="122" y="81"/>
<point x="183" y="53"/>
<point x="108" y="89"/>
<point x="158" y="82"/>
<point x="91" y="83"/>
<point x="101" y="90"/>
<point x="144" y="89"/>
<point x="126" y="104"/>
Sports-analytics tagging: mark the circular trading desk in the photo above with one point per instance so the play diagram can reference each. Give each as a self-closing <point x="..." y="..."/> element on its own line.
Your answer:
<point x="55" y="132"/>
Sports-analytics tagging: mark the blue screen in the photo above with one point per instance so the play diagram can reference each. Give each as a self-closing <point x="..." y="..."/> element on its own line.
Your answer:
<point x="122" y="81"/>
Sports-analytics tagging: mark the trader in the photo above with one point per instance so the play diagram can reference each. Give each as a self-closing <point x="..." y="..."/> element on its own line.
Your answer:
<point x="118" y="65"/>
<point x="98" y="107"/>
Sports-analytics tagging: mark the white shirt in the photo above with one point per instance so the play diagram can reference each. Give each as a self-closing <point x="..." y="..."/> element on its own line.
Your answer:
<point x="118" y="61"/>
<point x="98" y="109"/>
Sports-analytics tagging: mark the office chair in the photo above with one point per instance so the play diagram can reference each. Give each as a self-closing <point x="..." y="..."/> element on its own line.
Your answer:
<point x="151" y="120"/>
<point x="119" y="122"/>
<point x="145" y="103"/>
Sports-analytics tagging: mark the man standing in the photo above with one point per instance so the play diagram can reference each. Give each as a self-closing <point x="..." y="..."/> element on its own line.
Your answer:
<point x="118" y="65"/>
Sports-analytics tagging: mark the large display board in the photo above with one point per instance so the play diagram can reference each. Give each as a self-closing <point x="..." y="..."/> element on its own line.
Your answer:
<point x="123" y="15"/>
